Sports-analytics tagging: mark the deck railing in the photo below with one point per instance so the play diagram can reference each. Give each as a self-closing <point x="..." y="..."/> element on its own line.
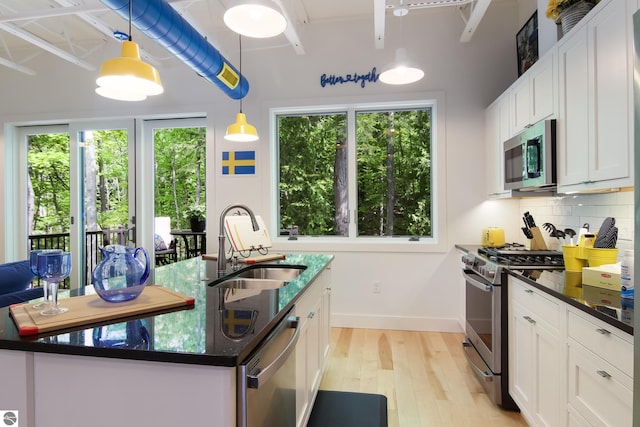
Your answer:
<point x="94" y="240"/>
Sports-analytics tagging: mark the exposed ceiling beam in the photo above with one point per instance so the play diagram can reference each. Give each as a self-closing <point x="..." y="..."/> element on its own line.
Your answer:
<point x="27" y="36"/>
<point x="290" y="32"/>
<point x="379" y="7"/>
<point x="17" y="67"/>
<point x="475" y="16"/>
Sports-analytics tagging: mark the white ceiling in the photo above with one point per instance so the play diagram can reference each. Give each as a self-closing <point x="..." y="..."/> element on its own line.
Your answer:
<point x="74" y="29"/>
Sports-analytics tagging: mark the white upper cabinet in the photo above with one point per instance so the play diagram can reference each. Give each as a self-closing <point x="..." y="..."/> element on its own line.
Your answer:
<point x="532" y="96"/>
<point x="497" y="131"/>
<point x="594" y="124"/>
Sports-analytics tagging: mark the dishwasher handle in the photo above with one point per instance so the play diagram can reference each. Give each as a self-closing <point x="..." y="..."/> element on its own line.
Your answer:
<point x="254" y="381"/>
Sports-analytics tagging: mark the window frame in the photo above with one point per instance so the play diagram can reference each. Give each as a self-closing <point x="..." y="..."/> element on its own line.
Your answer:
<point x="436" y="243"/>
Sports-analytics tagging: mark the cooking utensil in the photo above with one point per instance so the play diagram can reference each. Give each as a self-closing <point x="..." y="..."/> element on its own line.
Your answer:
<point x="571" y="233"/>
<point x="607" y="235"/>
<point x="550" y="228"/>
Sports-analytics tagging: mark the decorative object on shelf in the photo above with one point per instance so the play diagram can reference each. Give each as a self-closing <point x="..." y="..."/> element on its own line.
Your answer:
<point x="128" y="78"/>
<point x="568" y="13"/>
<point x="121" y="275"/>
<point x="527" y="44"/>
<point x="197" y="216"/>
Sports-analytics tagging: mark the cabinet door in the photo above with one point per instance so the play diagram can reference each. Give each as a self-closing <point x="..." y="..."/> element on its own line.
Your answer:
<point x="496" y="133"/>
<point x="520" y="102"/>
<point x="548" y="373"/>
<point x="598" y="391"/>
<point x="542" y="87"/>
<point x="610" y="93"/>
<point x="573" y="112"/>
<point x="520" y="357"/>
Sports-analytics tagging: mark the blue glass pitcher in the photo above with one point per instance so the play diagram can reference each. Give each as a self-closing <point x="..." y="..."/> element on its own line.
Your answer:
<point x="121" y="274"/>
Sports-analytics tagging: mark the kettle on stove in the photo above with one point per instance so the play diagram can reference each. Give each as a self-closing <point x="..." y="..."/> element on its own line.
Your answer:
<point x="492" y="237"/>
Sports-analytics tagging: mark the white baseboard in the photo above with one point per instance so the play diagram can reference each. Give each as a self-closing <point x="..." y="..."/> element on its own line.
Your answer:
<point x="341" y="320"/>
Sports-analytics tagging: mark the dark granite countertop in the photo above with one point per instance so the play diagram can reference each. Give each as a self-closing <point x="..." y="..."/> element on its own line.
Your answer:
<point x="218" y="330"/>
<point x="604" y="304"/>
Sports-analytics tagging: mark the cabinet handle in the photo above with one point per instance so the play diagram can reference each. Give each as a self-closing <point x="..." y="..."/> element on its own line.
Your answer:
<point x="311" y="315"/>
<point x="603" y="331"/>
<point x="603" y="374"/>
<point x="529" y="291"/>
<point x="529" y="319"/>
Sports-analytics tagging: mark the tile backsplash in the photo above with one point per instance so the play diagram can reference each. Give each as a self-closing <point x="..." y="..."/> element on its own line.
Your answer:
<point x="574" y="210"/>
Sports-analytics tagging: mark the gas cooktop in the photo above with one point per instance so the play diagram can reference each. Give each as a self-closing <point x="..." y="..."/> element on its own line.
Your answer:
<point x="516" y="255"/>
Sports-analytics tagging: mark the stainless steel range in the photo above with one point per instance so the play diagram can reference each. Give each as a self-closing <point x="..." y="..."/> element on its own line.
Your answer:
<point x="485" y="346"/>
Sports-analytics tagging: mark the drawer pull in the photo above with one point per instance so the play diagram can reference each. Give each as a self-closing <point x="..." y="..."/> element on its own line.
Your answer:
<point x="529" y="291"/>
<point x="603" y="331"/>
<point x="529" y="319"/>
<point x="603" y="374"/>
<point x="311" y="315"/>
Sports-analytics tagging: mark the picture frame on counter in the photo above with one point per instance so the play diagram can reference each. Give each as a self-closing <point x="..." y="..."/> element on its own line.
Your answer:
<point x="527" y="44"/>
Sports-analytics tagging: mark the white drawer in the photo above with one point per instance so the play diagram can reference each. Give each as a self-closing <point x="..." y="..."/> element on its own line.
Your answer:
<point x="542" y="306"/>
<point x="598" y="391"/>
<point x="607" y="342"/>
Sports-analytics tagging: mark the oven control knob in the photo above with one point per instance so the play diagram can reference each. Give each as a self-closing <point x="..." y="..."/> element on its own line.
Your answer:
<point x="490" y="271"/>
<point x="467" y="260"/>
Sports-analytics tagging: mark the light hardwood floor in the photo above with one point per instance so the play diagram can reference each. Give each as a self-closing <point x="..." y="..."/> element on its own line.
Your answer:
<point x="425" y="376"/>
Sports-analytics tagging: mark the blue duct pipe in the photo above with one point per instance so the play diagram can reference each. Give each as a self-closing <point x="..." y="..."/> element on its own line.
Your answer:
<point x="160" y="22"/>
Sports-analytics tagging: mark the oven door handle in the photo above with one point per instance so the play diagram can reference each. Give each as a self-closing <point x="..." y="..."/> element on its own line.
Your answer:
<point x="477" y="283"/>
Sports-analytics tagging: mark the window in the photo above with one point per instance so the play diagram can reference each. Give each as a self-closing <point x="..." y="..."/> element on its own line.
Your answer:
<point x="358" y="171"/>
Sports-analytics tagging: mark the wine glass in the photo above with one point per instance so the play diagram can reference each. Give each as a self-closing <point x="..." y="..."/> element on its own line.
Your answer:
<point x="33" y="266"/>
<point x="54" y="268"/>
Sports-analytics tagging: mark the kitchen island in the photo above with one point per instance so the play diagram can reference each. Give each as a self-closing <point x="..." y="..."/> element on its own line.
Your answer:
<point x="175" y="368"/>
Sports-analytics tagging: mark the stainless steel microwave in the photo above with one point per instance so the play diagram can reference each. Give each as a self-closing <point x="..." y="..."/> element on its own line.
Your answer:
<point x="530" y="158"/>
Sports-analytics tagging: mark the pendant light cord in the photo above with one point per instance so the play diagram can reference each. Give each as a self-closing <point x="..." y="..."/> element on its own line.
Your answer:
<point x="240" y="44"/>
<point x="130" y="13"/>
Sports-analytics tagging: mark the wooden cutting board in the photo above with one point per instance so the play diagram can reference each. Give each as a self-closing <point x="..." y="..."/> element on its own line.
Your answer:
<point x="251" y="260"/>
<point x="90" y="309"/>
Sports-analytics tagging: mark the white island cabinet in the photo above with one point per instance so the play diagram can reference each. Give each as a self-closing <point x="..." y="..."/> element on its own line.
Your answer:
<point x="312" y="350"/>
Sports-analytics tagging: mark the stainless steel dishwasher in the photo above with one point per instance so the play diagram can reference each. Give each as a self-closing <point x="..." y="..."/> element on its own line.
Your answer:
<point x="267" y="379"/>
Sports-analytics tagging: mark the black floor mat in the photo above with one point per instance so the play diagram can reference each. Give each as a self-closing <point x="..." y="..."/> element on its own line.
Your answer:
<point x="347" y="409"/>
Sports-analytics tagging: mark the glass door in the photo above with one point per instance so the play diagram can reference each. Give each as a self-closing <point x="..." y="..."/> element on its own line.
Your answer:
<point x="77" y="190"/>
<point x="104" y="209"/>
<point x="178" y="178"/>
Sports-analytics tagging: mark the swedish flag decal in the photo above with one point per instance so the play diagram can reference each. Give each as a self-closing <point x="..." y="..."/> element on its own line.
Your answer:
<point x="238" y="163"/>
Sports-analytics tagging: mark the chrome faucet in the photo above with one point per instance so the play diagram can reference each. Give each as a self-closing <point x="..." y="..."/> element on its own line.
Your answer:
<point x="222" y="253"/>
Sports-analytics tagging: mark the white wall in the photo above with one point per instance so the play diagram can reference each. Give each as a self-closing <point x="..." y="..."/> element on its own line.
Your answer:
<point x="419" y="290"/>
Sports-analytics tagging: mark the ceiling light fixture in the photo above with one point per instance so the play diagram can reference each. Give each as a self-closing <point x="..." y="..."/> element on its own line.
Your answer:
<point x="128" y="78"/>
<point x="401" y="73"/>
<point x="256" y="18"/>
<point x="240" y="130"/>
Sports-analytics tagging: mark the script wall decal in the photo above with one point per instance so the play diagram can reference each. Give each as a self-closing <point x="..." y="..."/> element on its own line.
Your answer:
<point x="362" y="79"/>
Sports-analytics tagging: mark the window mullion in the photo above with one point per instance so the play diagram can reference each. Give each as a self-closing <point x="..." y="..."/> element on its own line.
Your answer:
<point x="352" y="173"/>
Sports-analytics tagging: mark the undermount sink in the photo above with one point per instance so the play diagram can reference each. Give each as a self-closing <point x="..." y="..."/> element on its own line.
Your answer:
<point x="261" y="277"/>
<point x="243" y="283"/>
<point x="272" y="272"/>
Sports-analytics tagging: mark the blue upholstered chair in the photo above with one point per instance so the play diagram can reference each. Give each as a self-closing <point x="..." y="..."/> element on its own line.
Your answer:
<point x="15" y="283"/>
